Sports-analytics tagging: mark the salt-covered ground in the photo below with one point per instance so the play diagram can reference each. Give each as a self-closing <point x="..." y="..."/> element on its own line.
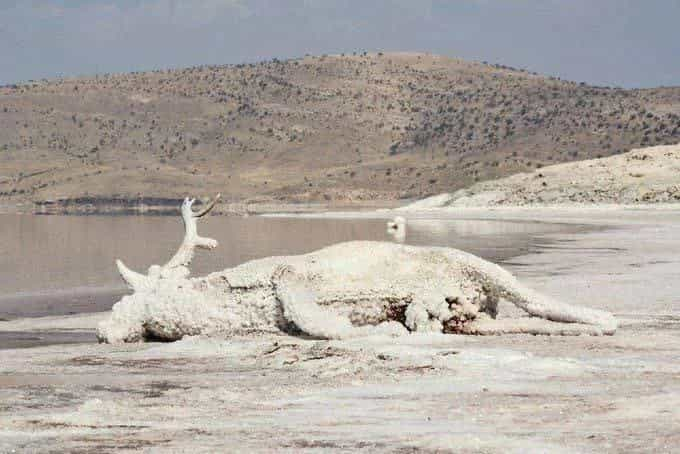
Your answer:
<point x="445" y="392"/>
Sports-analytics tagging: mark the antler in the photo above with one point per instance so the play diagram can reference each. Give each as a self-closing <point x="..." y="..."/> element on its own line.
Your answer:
<point x="184" y="254"/>
<point x="191" y="240"/>
<point x="133" y="279"/>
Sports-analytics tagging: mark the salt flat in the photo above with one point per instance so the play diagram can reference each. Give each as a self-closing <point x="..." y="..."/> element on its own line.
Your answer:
<point x="420" y="392"/>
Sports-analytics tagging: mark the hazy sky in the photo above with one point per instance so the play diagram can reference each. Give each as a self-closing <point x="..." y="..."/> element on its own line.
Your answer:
<point x="630" y="43"/>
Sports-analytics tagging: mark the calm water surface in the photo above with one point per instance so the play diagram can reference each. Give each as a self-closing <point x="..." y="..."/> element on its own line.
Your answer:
<point x="54" y="265"/>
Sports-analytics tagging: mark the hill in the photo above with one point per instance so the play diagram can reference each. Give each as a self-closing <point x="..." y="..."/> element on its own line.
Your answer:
<point x="369" y="128"/>
<point x="642" y="176"/>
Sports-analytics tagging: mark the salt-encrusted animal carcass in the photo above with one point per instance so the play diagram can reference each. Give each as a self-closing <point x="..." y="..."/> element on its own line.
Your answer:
<point x="345" y="290"/>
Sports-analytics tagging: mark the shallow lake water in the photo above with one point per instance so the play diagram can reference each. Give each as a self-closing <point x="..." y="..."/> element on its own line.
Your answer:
<point x="56" y="265"/>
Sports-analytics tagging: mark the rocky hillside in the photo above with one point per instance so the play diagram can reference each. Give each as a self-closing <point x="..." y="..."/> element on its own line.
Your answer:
<point x="336" y="129"/>
<point x="641" y="176"/>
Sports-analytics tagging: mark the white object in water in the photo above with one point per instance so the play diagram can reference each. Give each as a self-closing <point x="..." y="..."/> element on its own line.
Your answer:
<point x="397" y="229"/>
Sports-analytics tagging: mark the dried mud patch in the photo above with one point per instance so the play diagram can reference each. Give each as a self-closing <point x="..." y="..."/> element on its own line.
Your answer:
<point x="152" y="390"/>
<point x="44" y="398"/>
<point x="113" y="445"/>
<point x="63" y="425"/>
<point x="151" y="363"/>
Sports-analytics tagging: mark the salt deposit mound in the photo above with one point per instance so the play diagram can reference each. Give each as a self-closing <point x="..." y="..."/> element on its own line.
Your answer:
<point x="641" y="176"/>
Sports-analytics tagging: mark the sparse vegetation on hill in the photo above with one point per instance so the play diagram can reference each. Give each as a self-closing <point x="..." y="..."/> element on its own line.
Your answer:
<point x="336" y="129"/>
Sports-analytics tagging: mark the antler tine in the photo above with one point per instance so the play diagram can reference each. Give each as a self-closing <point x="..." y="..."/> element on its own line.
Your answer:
<point x="209" y="207"/>
<point x="133" y="279"/>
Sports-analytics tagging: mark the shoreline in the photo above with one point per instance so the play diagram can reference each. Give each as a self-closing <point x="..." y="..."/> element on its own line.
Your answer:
<point x="593" y="214"/>
<point x="171" y="207"/>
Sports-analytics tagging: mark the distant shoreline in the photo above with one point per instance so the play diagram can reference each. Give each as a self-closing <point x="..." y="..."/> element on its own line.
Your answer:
<point x="157" y="206"/>
<point x="380" y="209"/>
